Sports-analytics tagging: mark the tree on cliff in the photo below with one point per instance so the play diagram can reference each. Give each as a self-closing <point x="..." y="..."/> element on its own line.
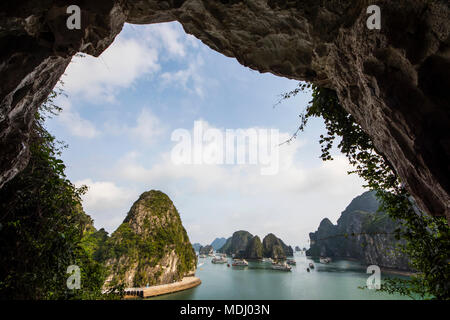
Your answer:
<point x="42" y="225"/>
<point x="427" y="238"/>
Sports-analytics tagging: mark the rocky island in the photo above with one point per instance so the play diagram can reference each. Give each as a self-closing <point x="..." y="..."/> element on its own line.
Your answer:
<point x="197" y="246"/>
<point x="150" y="248"/>
<point x="208" y="249"/>
<point x="362" y="233"/>
<point x="244" y="245"/>
<point x="218" y="243"/>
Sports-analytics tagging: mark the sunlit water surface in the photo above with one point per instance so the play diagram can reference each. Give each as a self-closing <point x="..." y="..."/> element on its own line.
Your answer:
<point x="336" y="280"/>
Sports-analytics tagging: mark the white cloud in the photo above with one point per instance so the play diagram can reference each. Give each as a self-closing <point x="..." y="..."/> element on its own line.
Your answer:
<point x="148" y="127"/>
<point x="103" y="201"/>
<point x="169" y="36"/>
<point x="290" y="203"/>
<point x="73" y="122"/>
<point x="189" y="79"/>
<point x="101" y="78"/>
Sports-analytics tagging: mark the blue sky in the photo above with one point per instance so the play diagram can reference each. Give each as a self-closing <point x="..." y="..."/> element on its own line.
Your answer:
<point x="122" y="108"/>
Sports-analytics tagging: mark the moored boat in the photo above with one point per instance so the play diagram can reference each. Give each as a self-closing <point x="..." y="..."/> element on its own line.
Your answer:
<point x="281" y="267"/>
<point x="239" y="263"/>
<point x="291" y="262"/>
<point x="325" y="260"/>
<point x="219" y="260"/>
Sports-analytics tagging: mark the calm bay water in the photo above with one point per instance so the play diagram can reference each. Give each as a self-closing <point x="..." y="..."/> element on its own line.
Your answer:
<point x="337" y="280"/>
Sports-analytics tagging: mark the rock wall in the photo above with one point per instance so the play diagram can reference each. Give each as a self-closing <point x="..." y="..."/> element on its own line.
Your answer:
<point x="361" y="233"/>
<point x="394" y="81"/>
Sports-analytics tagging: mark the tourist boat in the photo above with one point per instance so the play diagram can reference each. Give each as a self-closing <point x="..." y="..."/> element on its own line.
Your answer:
<point x="281" y="267"/>
<point x="311" y="265"/>
<point x="325" y="260"/>
<point x="239" y="263"/>
<point x="219" y="260"/>
<point x="291" y="262"/>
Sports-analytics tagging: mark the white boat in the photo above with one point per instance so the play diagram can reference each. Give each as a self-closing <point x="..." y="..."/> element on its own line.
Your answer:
<point x="281" y="267"/>
<point x="325" y="260"/>
<point x="239" y="263"/>
<point x="291" y="262"/>
<point x="219" y="260"/>
<point x="202" y="256"/>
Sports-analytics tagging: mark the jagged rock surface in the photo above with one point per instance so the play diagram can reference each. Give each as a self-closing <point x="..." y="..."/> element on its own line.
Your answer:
<point x="361" y="233"/>
<point x="394" y="81"/>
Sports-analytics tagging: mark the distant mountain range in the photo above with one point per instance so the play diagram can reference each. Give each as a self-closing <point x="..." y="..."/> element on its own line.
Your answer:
<point x="244" y="245"/>
<point x="361" y="233"/>
<point x="218" y="243"/>
<point x="197" y="246"/>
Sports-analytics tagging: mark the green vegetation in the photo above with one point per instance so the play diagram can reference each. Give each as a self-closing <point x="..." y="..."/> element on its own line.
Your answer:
<point x="275" y="248"/>
<point x="44" y="230"/>
<point x="254" y="248"/>
<point x="237" y="243"/>
<point x="143" y="248"/>
<point x="42" y="225"/>
<point x="361" y="233"/>
<point x="427" y="238"/>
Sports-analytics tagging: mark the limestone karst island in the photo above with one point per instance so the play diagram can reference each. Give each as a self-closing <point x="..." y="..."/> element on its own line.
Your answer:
<point x="232" y="158"/>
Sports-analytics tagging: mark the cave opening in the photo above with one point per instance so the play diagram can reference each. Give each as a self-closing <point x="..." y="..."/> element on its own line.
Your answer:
<point x="121" y="114"/>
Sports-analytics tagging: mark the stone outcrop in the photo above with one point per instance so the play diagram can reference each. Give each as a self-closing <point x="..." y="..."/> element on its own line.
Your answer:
<point x="150" y="247"/>
<point x="197" y="246"/>
<point x="275" y="248"/>
<point x="237" y="243"/>
<point x="361" y="233"/>
<point x="394" y="81"/>
<point x="254" y="249"/>
<point x="208" y="249"/>
<point x="244" y="245"/>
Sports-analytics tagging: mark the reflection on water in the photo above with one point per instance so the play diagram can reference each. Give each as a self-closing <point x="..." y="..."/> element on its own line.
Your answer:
<point x="336" y="280"/>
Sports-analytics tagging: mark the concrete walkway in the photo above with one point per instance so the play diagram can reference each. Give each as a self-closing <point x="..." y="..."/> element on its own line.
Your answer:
<point x="186" y="283"/>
